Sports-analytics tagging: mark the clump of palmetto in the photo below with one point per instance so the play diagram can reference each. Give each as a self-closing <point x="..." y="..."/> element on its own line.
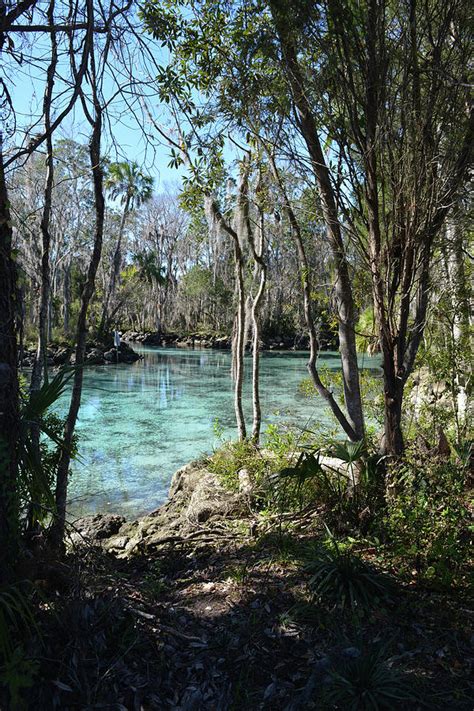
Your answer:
<point x="366" y="682"/>
<point x="343" y="578"/>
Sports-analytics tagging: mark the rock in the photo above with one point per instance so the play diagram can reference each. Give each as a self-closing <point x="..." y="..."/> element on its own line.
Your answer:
<point x="127" y="354"/>
<point x="116" y="543"/>
<point x="62" y="355"/>
<point x="111" y="356"/>
<point x="95" y="357"/>
<point x="195" y="496"/>
<point x="245" y="483"/>
<point x="427" y="391"/>
<point x="210" y="499"/>
<point x="97" y="528"/>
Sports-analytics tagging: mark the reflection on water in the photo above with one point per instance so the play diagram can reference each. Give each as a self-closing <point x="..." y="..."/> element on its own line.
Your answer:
<point x="138" y="423"/>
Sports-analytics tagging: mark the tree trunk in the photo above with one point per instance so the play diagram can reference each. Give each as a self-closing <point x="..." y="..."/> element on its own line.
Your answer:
<point x="261" y="274"/>
<point x="40" y="364"/>
<point x="57" y="529"/>
<point x="115" y="272"/>
<point x="308" y="314"/>
<point x="461" y="322"/>
<point x="343" y="290"/>
<point x="66" y="298"/>
<point x="9" y="405"/>
<point x="393" y="442"/>
<point x="238" y="342"/>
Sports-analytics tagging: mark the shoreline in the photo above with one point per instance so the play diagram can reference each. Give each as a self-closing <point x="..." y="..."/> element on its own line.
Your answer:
<point x="218" y="341"/>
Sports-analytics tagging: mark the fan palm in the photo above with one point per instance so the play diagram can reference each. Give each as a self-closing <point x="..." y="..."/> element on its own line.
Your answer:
<point x="128" y="184"/>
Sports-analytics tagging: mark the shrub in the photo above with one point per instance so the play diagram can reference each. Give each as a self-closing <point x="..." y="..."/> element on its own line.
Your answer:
<point x="345" y="579"/>
<point x="17" y="622"/>
<point x="228" y="460"/>
<point x="351" y="494"/>
<point x="366" y="682"/>
<point x="427" y="519"/>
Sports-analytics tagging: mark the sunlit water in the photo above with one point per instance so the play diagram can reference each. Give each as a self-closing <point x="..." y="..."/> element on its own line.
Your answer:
<point x="139" y="423"/>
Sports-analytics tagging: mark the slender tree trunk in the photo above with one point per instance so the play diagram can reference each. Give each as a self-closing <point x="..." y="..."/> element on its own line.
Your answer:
<point x="308" y="314"/>
<point x="9" y="405"/>
<point x="238" y="342"/>
<point x="343" y="291"/>
<point x="261" y="273"/>
<point x="255" y="239"/>
<point x="461" y="321"/>
<point x="57" y="529"/>
<point x="66" y="298"/>
<point x="115" y="271"/>
<point x="40" y="363"/>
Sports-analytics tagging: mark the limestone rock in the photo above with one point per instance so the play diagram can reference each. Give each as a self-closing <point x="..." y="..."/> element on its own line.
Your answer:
<point x="95" y="357"/>
<point x="195" y="497"/>
<point x="96" y="528"/>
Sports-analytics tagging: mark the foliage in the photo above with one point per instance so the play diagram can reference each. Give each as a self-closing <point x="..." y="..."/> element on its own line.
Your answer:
<point x="38" y="462"/>
<point x="149" y="268"/>
<point x="366" y="337"/>
<point x="343" y="578"/>
<point x="231" y="457"/>
<point x="126" y="182"/>
<point x="17" y="675"/>
<point x="17" y="620"/>
<point x="427" y="520"/>
<point x="343" y="476"/>
<point x="368" y="683"/>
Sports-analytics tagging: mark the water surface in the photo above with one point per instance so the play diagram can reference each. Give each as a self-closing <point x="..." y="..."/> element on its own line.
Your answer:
<point x="139" y="423"/>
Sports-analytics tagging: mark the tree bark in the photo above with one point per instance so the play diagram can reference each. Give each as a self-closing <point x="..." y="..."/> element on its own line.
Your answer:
<point x="40" y="363"/>
<point x="115" y="272"/>
<point x="9" y="404"/>
<point x="343" y="291"/>
<point x="308" y="314"/>
<point x="58" y="526"/>
<point x="238" y="342"/>
<point x="257" y="244"/>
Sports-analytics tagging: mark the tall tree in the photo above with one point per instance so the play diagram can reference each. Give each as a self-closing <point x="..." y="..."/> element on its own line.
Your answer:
<point x="9" y="422"/>
<point x="403" y="126"/>
<point x="126" y="182"/>
<point x="45" y="295"/>
<point x="374" y="97"/>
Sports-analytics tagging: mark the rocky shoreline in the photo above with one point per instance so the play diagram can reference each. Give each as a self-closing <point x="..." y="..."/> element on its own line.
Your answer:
<point x="197" y="502"/>
<point x="61" y="354"/>
<point x="196" y="499"/>
<point x="299" y="342"/>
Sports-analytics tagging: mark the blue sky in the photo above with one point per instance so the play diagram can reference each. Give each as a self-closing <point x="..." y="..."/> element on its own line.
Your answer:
<point x="124" y="137"/>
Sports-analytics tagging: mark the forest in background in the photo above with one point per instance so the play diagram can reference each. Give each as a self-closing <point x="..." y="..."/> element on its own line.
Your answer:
<point x="326" y="154"/>
<point x="176" y="269"/>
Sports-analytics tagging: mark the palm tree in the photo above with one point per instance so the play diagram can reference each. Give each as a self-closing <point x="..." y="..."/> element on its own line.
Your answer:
<point x="126" y="182"/>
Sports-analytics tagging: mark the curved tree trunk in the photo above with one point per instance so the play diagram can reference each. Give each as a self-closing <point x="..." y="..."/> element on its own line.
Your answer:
<point x="256" y="305"/>
<point x="344" y="298"/>
<point x="308" y="314"/>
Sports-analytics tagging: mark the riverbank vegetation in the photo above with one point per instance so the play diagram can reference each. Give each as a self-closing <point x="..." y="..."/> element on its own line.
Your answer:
<point x="325" y="151"/>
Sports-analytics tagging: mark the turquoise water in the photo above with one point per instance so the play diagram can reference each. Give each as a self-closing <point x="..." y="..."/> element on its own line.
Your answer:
<point x="139" y="423"/>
